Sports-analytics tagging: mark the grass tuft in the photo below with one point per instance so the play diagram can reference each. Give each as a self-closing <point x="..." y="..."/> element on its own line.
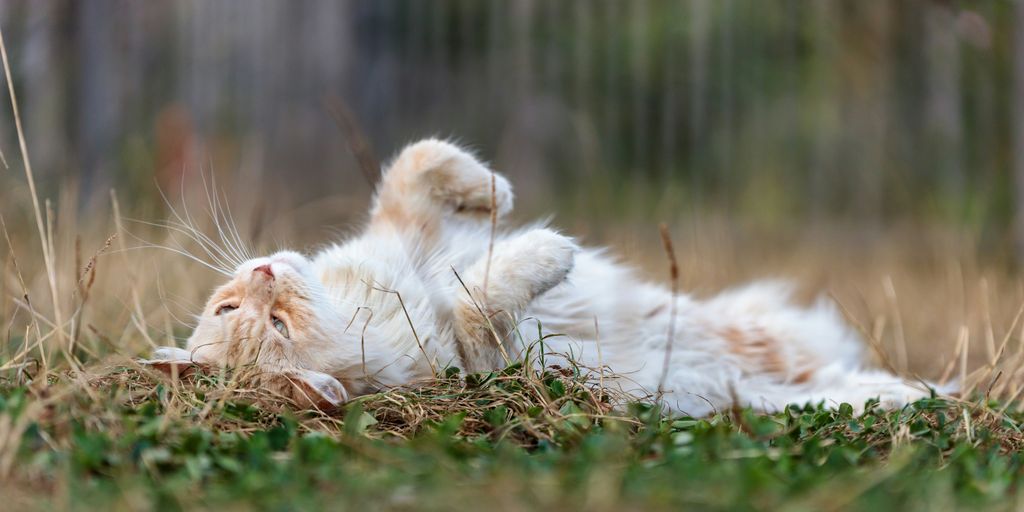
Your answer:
<point x="527" y="438"/>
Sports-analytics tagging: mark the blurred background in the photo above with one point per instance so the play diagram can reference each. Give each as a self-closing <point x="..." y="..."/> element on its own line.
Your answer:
<point x="798" y="109"/>
<point x="839" y="142"/>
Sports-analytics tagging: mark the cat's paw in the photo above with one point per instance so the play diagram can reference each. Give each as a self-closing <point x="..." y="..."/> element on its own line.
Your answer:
<point x="306" y="388"/>
<point x="171" y="354"/>
<point x="452" y="176"/>
<point x="541" y="257"/>
<point x="501" y="285"/>
<point x="173" y="361"/>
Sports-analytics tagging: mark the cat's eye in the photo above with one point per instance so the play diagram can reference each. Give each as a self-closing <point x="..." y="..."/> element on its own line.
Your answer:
<point x="226" y="308"/>
<point x="280" y="326"/>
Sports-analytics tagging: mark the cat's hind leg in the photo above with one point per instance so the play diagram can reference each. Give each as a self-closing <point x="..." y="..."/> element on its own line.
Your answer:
<point x="432" y="181"/>
<point x="785" y="354"/>
<point x="834" y="385"/>
<point x="496" y="290"/>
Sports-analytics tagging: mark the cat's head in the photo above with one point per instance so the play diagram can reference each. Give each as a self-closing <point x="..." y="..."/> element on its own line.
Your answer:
<point x="272" y="317"/>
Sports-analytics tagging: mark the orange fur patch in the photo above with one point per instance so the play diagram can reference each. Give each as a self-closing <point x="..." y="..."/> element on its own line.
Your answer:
<point x="233" y="289"/>
<point x="764" y="355"/>
<point x="476" y="341"/>
<point x="293" y="310"/>
<point x="803" y="377"/>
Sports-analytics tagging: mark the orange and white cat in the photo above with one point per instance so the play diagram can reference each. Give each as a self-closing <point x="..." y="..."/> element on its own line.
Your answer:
<point x="420" y="289"/>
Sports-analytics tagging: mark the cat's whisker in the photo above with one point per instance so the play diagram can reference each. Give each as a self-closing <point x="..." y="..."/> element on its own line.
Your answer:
<point x="247" y="250"/>
<point x="188" y="228"/>
<point x="215" y="260"/>
<point x="170" y="298"/>
<point x="216" y="212"/>
<point x="232" y="226"/>
<point x="213" y="209"/>
<point x="191" y="225"/>
<point x="218" y="263"/>
<point x="207" y="246"/>
<point x="179" y="252"/>
<point x="189" y="324"/>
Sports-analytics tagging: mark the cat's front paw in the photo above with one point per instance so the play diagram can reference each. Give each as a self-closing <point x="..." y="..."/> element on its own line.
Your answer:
<point x="307" y="388"/>
<point x="173" y="361"/>
<point x="171" y="354"/>
<point x="542" y="258"/>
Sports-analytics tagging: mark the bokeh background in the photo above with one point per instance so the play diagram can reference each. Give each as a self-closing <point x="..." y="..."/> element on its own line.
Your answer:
<point x="874" y="150"/>
<point x="868" y="110"/>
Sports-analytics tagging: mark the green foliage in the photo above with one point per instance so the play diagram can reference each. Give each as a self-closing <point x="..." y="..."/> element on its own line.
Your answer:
<point x="242" y="454"/>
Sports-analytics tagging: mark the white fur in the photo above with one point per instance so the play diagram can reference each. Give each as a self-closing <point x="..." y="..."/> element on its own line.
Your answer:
<point x="430" y="228"/>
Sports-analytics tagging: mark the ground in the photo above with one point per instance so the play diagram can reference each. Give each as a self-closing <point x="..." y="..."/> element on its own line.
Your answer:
<point x="121" y="437"/>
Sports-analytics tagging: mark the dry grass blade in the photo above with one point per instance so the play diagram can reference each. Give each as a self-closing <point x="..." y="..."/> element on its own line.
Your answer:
<point x="670" y="252"/>
<point x="520" y="403"/>
<point x="901" y="341"/>
<point x="487" y="318"/>
<point x="47" y="243"/>
<point x="494" y="232"/>
<point x="408" y="318"/>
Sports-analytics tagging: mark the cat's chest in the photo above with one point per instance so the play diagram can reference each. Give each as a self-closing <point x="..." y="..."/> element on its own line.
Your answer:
<point x="379" y="280"/>
<point x="384" y="273"/>
<point x="379" y="285"/>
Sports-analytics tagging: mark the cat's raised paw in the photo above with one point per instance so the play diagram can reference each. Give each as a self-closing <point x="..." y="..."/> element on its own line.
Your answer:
<point x="450" y="175"/>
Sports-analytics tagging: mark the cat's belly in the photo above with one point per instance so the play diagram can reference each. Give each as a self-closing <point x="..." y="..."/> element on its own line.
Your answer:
<point x="377" y="290"/>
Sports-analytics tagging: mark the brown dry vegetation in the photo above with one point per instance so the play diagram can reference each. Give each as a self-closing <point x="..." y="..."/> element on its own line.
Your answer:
<point x="928" y="300"/>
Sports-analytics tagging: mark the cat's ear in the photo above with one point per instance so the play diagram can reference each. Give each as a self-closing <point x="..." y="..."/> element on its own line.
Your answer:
<point x="172" y="361"/>
<point x="316" y="389"/>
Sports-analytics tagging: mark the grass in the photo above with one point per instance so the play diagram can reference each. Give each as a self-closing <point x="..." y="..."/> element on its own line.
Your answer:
<point x="515" y="439"/>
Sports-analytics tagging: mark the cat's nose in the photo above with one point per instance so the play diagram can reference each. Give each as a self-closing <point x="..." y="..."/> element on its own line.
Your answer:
<point x="264" y="269"/>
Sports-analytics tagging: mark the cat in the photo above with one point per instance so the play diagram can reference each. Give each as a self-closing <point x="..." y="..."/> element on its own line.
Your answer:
<point x="428" y="284"/>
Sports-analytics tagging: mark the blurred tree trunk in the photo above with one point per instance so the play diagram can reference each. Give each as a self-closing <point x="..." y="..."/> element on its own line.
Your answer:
<point x="99" y="94"/>
<point x="1018" y="121"/>
<point x="943" y="120"/>
<point x="639" y="68"/>
<point x="700" y="50"/>
<point x="519" y="146"/>
<point x="44" y="104"/>
<point x="825" y="128"/>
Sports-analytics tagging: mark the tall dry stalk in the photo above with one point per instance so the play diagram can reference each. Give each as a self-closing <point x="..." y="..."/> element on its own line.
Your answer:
<point x="673" y="267"/>
<point x="45" y="241"/>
